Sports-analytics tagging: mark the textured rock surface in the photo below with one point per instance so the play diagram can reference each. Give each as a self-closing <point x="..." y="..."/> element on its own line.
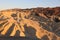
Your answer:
<point x="34" y="23"/>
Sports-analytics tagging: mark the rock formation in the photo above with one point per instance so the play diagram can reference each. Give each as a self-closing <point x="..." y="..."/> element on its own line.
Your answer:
<point x="38" y="23"/>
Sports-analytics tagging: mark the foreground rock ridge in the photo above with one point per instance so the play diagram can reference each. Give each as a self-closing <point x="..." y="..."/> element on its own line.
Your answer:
<point x="38" y="23"/>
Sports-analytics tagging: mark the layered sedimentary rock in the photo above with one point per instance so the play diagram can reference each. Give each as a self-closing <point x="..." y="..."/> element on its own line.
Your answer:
<point x="37" y="23"/>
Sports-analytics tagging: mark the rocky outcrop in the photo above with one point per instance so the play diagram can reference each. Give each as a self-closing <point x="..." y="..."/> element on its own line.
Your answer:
<point x="37" y="23"/>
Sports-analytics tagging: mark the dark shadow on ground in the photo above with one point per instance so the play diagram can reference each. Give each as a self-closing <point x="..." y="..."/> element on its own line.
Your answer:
<point x="17" y="38"/>
<point x="30" y="32"/>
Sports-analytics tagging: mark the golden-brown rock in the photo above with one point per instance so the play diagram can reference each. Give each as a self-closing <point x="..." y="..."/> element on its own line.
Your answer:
<point x="40" y="23"/>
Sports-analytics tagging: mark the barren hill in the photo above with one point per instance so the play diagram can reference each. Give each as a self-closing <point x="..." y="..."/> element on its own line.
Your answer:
<point x="38" y="23"/>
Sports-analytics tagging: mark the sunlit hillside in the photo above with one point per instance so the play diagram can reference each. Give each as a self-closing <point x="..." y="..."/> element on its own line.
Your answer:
<point x="39" y="23"/>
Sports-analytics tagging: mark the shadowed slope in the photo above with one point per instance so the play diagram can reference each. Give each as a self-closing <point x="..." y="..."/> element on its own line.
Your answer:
<point x="34" y="23"/>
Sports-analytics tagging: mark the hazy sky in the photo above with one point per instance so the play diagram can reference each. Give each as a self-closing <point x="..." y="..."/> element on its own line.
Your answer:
<point x="6" y="4"/>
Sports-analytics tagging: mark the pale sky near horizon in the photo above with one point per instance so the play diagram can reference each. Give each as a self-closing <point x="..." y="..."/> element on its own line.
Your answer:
<point x="7" y="4"/>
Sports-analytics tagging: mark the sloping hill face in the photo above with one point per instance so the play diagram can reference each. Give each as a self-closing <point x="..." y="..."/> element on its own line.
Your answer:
<point x="38" y="23"/>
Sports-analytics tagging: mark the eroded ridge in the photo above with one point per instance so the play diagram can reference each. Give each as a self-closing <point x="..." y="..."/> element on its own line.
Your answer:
<point x="40" y="23"/>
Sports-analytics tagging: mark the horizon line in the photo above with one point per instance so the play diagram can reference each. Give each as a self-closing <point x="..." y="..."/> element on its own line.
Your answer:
<point x="29" y="7"/>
